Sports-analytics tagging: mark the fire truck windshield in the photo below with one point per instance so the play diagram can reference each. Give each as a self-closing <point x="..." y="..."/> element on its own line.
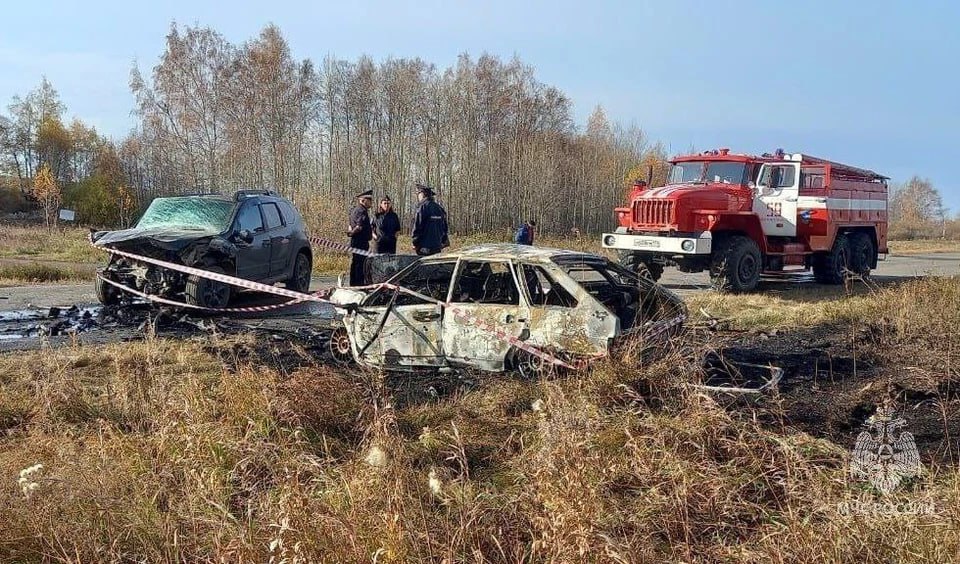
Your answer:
<point x="708" y="171"/>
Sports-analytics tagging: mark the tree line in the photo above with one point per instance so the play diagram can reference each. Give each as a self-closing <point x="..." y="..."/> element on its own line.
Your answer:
<point x="499" y="145"/>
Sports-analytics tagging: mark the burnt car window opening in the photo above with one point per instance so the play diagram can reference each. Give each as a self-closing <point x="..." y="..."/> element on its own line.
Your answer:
<point x="544" y="291"/>
<point x="271" y="216"/>
<point x="189" y="213"/>
<point x="249" y="219"/>
<point x="703" y="171"/>
<point x="586" y="274"/>
<point x="486" y="283"/>
<point x="606" y="287"/>
<point x="431" y="279"/>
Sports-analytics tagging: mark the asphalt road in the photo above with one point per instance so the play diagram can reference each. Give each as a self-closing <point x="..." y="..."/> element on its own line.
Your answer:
<point x="24" y="310"/>
<point x="894" y="268"/>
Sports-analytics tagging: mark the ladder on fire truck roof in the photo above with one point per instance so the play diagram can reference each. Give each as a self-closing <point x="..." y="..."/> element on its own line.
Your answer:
<point x="844" y="170"/>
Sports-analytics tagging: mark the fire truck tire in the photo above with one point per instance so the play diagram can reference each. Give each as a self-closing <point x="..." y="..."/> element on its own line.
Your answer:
<point x="204" y="292"/>
<point x="644" y="269"/>
<point x="861" y="253"/>
<point x="831" y="268"/>
<point x="736" y="264"/>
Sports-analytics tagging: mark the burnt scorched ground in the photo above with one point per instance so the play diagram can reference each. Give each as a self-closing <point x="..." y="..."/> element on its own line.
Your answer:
<point x="834" y="379"/>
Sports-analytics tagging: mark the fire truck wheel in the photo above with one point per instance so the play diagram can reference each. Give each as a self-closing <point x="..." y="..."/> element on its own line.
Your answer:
<point x="831" y="268"/>
<point x="861" y="253"/>
<point x="649" y="270"/>
<point x="736" y="264"/>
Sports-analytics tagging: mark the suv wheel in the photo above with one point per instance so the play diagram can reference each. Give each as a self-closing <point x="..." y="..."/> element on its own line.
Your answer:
<point x="205" y="292"/>
<point x="300" y="281"/>
<point x="107" y="294"/>
<point x="736" y="264"/>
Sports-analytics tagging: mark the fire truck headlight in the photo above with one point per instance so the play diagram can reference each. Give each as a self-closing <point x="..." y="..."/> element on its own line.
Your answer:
<point x="687" y="245"/>
<point x="609" y="240"/>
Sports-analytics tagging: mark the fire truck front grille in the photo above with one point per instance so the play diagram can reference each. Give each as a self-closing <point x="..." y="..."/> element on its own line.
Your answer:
<point x="653" y="212"/>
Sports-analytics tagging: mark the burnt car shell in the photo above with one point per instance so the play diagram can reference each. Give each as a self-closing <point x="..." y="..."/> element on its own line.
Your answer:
<point x="571" y="304"/>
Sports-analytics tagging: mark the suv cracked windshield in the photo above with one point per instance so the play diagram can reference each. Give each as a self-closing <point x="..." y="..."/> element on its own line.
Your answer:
<point x="702" y="172"/>
<point x="189" y="213"/>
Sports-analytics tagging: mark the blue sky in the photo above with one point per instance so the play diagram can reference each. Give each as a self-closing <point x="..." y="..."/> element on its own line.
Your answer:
<point x="873" y="84"/>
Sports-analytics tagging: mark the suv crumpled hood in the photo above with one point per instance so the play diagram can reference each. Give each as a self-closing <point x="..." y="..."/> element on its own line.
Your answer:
<point x="164" y="238"/>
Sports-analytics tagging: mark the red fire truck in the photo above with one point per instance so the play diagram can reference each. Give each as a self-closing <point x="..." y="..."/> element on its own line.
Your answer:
<point x="740" y="216"/>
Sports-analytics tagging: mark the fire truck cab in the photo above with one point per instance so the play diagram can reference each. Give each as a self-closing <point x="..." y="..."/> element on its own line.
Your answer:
<point x="740" y="216"/>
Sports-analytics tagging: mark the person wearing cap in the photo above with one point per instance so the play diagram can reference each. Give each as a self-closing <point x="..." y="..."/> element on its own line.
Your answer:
<point x="386" y="225"/>
<point x="429" y="232"/>
<point x="360" y="231"/>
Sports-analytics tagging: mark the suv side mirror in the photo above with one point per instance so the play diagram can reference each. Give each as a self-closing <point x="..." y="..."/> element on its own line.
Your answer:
<point x="245" y="236"/>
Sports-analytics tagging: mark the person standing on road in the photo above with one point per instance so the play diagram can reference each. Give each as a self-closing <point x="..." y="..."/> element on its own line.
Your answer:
<point x="429" y="231"/>
<point x="386" y="225"/>
<point x="360" y="231"/>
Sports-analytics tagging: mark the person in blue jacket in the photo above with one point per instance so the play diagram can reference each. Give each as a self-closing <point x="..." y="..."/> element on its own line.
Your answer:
<point x="524" y="234"/>
<point x="429" y="232"/>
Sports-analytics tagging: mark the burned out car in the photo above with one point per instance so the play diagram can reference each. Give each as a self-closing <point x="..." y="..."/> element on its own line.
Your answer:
<point x="569" y="304"/>
<point x="255" y="235"/>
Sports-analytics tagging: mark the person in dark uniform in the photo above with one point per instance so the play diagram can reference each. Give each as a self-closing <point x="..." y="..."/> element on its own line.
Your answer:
<point x="429" y="230"/>
<point x="386" y="225"/>
<point x="360" y="231"/>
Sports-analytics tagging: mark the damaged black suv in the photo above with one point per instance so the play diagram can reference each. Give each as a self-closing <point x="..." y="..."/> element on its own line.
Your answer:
<point x="255" y="235"/>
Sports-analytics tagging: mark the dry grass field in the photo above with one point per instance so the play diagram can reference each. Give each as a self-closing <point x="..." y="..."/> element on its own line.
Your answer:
<point x="235" y="449"/>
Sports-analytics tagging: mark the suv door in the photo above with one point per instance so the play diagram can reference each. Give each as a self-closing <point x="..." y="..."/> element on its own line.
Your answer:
<point x="488" y="291"/>
<point x="279" y="234"/>
<point x="410" y="333"/>
<point x="253" y="257"/>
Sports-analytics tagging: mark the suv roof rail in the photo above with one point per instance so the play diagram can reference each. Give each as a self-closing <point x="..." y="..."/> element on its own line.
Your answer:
<point x="196" y="194"/>
<point x="240" y="194"/>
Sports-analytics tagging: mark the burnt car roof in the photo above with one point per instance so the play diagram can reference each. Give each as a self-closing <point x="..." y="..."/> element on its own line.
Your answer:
<point x="527" y="253"/>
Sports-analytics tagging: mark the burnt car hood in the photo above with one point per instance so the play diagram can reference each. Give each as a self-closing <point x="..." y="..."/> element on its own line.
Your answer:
<point x="170" y="239"/>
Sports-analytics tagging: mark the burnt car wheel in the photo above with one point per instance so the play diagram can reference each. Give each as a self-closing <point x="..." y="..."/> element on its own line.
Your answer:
<point x="530" y="366"/>
<point x="205" y="292"/>
<point x="340" y="346"/>
<point x="300" y="281"/>
<point x="106" y="293"/>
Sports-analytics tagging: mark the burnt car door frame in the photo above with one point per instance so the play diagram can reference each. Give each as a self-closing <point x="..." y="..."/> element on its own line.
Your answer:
<point x="466" y="344"/>
<point x="400" y="331"/>
<point x="253" y="256"/>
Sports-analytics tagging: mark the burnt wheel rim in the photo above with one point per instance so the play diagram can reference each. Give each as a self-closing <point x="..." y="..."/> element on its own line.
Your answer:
<point x="530" y="366"/>
<point x="340" y="346"/>
<point x="215" y="294"/>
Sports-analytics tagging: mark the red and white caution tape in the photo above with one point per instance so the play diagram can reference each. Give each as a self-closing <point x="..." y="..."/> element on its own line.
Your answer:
<point x="335" y="246"/>
<point x="162" y="300"/>
<point x="225" y="278"/>
<point x="299" y="297"/>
